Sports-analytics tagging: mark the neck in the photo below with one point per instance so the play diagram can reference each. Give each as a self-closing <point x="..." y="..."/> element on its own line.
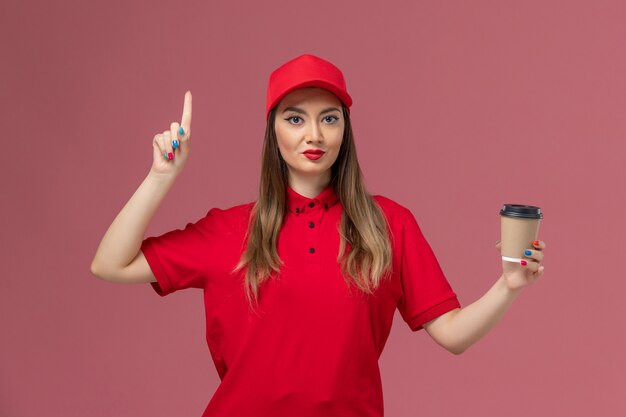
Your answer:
<point x="309" y="186"/>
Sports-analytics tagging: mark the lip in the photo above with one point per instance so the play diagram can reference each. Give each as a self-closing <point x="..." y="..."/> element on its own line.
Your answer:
<point x="313" y="156"/>
<point x="314" y="151"/>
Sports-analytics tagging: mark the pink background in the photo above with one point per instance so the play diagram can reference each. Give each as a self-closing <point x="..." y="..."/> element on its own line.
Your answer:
<point x="459" y="108"/>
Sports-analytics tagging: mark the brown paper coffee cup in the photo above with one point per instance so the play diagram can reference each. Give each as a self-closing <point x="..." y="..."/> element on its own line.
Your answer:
<point x="519" y="227"/>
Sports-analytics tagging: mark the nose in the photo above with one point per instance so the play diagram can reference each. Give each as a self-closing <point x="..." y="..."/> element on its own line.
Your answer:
<point x="313" y="133"/>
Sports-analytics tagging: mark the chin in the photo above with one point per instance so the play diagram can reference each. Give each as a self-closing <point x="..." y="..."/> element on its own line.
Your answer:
<point x="313" y="171"/>
<point x="310" y="172"/>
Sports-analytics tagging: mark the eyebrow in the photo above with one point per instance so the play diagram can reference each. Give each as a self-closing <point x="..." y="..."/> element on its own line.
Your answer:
<point x="299" y="110"/>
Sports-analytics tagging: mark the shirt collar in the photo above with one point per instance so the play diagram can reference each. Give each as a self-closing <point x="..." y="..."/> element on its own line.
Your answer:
<point x="297" y="203"/>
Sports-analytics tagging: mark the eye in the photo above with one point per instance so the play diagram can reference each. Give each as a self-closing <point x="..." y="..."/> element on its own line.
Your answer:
<point x="293" y="117"/>
<point x="334" y="118"/>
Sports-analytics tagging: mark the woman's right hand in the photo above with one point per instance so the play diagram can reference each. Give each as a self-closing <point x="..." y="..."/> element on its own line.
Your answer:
<point x="169" y="157"/>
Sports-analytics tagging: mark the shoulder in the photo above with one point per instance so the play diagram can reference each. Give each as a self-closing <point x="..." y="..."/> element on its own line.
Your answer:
<point x="396" y="213"/>
<point x="401" y="219"/>
<point x="398" y="216"/>
<point x="233" y="218"/>
<point x="232" y="212"/>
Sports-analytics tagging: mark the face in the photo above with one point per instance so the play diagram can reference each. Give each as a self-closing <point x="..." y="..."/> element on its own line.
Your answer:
<point x="309" y="118"/>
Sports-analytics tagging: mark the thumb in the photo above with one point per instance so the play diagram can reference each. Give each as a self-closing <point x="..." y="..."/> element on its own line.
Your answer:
<point x="498" y="245"/>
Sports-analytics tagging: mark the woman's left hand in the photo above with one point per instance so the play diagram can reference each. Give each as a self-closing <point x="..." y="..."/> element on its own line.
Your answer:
<point x="518" y="276"/>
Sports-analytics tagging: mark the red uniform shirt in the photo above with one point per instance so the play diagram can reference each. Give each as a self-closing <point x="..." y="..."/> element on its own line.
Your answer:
<point x="312" y="348"/>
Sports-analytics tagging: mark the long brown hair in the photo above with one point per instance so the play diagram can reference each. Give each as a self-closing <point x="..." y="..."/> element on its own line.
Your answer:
<point x="363" y="224"/>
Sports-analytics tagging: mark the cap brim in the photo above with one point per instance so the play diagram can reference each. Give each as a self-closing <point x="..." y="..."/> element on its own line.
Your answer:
<point x="343" y="96"/>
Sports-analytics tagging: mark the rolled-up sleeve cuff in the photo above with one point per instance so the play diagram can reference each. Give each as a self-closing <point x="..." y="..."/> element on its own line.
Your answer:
<point x="433" y="312"/>
<point x="163" y="285"/>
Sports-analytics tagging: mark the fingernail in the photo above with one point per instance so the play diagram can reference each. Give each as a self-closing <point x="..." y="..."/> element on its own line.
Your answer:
<point x="527" y="252"/>
<point x="181" y="131"/>
<point x="170" y="156"/>
<point x="165" y="155"/>
<point x="523" y="262"/>
<point x="175" y="144"/>
<point x="536" y="243"/>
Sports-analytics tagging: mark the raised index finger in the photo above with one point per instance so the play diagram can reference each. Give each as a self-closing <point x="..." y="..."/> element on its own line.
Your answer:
<point x="186" y="119"/>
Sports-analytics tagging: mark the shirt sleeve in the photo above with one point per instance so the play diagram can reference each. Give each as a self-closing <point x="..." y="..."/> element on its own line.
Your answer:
<point x="426" y="291"/>
<point x="180" y="259"/>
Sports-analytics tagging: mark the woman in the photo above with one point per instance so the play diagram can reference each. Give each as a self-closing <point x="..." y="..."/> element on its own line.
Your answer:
<point x="300" y="286"/>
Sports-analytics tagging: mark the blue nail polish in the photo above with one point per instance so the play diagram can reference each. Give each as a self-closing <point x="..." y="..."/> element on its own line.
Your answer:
<point x="175" y="144"/>
<point x="527" y="252"/>
<point x="181" y="131"/>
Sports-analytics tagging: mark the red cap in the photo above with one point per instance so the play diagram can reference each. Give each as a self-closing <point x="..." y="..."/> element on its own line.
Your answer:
<point x="306" y="71"/>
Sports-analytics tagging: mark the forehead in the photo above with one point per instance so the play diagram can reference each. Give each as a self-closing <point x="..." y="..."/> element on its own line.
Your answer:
<point x="316" y="95"/>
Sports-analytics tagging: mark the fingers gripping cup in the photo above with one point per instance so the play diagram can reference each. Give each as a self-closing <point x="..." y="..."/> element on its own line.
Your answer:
<point x="519" y="227"/>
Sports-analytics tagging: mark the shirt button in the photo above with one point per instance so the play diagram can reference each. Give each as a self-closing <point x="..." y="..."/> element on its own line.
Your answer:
<point x="312" y="250"/>
<point x="311" y="225"/>
<point x="297" y="210"/>
<point x="326" y="206"/>
<point x="311" y="204"/>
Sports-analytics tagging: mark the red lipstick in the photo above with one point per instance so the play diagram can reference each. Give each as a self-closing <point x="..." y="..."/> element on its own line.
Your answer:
<point x="313" y="154"/>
